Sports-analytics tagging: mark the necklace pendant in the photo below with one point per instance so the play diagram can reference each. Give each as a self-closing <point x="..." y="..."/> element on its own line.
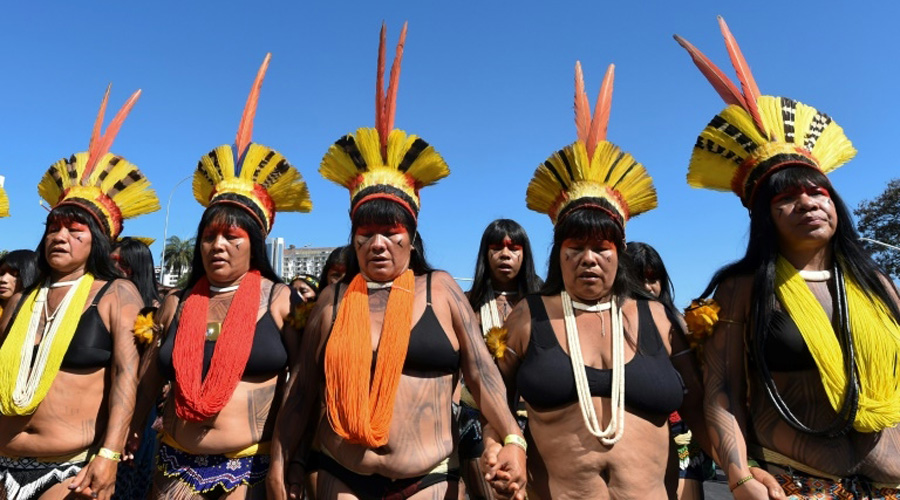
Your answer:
<point x="213" y="330"/>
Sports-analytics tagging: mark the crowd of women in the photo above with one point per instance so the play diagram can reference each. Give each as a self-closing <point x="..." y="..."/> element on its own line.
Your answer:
<point x="381" y="378"/>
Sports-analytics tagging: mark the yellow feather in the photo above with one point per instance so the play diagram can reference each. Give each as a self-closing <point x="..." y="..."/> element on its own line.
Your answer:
<point x="833" y="149"/>
<point x="736" y="116"/>
<point x="4" y="204"/>
<point x="337" y="166"/>
<point x="710" y="170"/>
<point x="803" y="117"/>
<point x="770" y="111"/>
<point x="369" y="145"/>
<point x="428" y="168"/>
<point x="207" y="175"/>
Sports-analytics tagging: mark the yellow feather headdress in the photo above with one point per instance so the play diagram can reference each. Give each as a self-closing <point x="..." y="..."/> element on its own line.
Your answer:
<point x="756" y="135"/>
<point x="382" y="162"/>
<point x="4" y="200"/>
<point x="250" y="175"/>
<point x="592" y="167"/>
<point x="107" y="186"/>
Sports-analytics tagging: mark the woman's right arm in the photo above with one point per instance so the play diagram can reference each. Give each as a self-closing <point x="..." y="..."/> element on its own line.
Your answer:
<point x="725" y="404"/>
<point x="295" y="424"/>
<point x="150" y="379"/>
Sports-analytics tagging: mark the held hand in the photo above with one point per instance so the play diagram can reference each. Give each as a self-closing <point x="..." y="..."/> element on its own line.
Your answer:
<point x="295" y="480"/>
<point x="751" y="490"/>
<point x="505" y="469"/>
<point x="769" y="481"/>
<point x="96" y="480"/>
<point x="131" y="445"/>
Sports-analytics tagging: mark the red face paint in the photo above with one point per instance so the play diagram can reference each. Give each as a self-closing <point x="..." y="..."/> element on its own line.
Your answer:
<point x="229" y="231"/>
<point x="507" y="243"/>
<point x="57" y="223"/>
<point x="368" y="230"/>
<point x="795" y="191"/>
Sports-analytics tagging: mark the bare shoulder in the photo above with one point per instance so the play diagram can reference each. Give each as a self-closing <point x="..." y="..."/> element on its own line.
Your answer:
<point x="166" y="311"/>
<point x="733" y="296"/>
<point x="122" y="292"/>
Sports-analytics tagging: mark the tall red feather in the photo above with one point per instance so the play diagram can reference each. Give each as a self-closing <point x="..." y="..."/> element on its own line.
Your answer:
<point x="97" y="133"/>
<point x="390" y="103"/>
<point x="600" y="122"/>
<point x="245" y="128"/>
<point x="582" y="106"/>
<point x="745" y="76"/>
<point x="109" y="136"/>
<point x="379" y="89"/>
<point x="724" y="86"/>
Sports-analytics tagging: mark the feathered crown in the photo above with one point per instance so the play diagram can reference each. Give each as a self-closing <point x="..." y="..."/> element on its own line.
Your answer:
<point x="756" y="135"/>
<point x="4" y="201"/>
<point x="382" y="162"/>
<point x="592" y="167"/>
<point x="250" y="175"/>
<point x="107" y="186"/>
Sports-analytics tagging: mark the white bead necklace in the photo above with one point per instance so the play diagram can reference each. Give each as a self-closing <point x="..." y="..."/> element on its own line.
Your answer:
<point x="823" y="275"/>
<point x="223" y="289"/>
<point x="613" y="432"/>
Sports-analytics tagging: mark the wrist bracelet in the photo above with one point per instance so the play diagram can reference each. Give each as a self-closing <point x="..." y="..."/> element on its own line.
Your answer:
<point x="108" y="454"/>
<point x="742" y="481"/>
<point x="516" y="440"/>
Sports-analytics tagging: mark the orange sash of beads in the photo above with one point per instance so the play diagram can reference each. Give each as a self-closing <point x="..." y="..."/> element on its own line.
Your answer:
<point x="196" y="398"/>
<point x="361" y="404"/>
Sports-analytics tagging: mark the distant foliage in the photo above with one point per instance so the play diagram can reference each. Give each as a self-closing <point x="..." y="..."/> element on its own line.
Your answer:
<point x="879" y="219"/>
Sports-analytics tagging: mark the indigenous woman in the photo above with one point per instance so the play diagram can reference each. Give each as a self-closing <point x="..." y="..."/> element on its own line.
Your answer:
<point x="68" y="364"/>
<point x="134" y="260"/>
<point x="224" y="342"/>
<point x="694" y="466"/>
<point x="306" y="286"/>
<point x="504" y="274"/>
<point x="385" y="347"/>
<point x="335" y="267"/>
<point x="18" y="271"/>
<point x="590" y="354"/>
<point x="801" y="368"/>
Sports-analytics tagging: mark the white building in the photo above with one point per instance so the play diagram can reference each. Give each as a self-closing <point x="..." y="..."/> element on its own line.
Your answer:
<point x="168" y="279"/>
<point x="275" y="251"/>
<point x="304" y="260"/>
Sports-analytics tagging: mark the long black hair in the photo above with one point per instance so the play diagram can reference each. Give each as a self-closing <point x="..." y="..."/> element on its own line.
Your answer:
<point x="527" y="281"/>
<point x="98" y="263"/>
<point x="139" y="260"/>
<point x="24" y="262"/>
<point x="759" y="261"/>
<point x="340" y="256"/>
<point x="232" y="215"/>
<point x="385" y="211"/>
<point x="647" y="265"/>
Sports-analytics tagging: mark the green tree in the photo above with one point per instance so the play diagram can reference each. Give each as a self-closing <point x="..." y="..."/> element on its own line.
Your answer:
<point x="3" y="253"/>
<point x="178" y="254"/>
<point x="879" y="220"/>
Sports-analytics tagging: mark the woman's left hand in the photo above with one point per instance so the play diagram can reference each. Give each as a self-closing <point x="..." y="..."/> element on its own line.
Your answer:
<point x="505" y="469"/>
<point x="96" y="480"/>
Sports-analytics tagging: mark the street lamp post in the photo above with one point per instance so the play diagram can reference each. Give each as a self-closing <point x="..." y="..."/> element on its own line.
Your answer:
<point x="162" y="268"/>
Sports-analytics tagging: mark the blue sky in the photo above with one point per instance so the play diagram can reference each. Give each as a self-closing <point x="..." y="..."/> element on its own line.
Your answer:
<point x="489" y="84"/>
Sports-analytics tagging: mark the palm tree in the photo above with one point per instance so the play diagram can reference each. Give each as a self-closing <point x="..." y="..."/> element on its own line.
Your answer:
<point x="178" y="254"/>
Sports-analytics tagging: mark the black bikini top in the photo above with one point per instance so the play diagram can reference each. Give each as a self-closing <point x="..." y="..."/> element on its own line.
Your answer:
<point x="429" y="351"/>
<point x="545" y="379"/>
<point x="785" y="350"/>
<point x="92" y="345"/>
<point x="268" y="355"/>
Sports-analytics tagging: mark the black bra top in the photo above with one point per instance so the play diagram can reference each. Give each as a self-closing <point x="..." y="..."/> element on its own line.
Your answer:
<point x="785" y="349"/>
<point x="268" y="355"/>
<point x="545" y="379"/>
<point x="92" y="345"/>
<point x="429" y="351"/>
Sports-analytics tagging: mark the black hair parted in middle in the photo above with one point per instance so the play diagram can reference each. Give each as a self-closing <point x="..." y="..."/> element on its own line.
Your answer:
<point x="647" y="265"/>
<point x="229" y="214"/>
<point x="137" y="256"/>
<point x="98" y="263"/>
<point x="25" y="263"/>
<point x="527" y="280"/>
<point x="584" y="221"/>
<point x="385" y="211"/>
